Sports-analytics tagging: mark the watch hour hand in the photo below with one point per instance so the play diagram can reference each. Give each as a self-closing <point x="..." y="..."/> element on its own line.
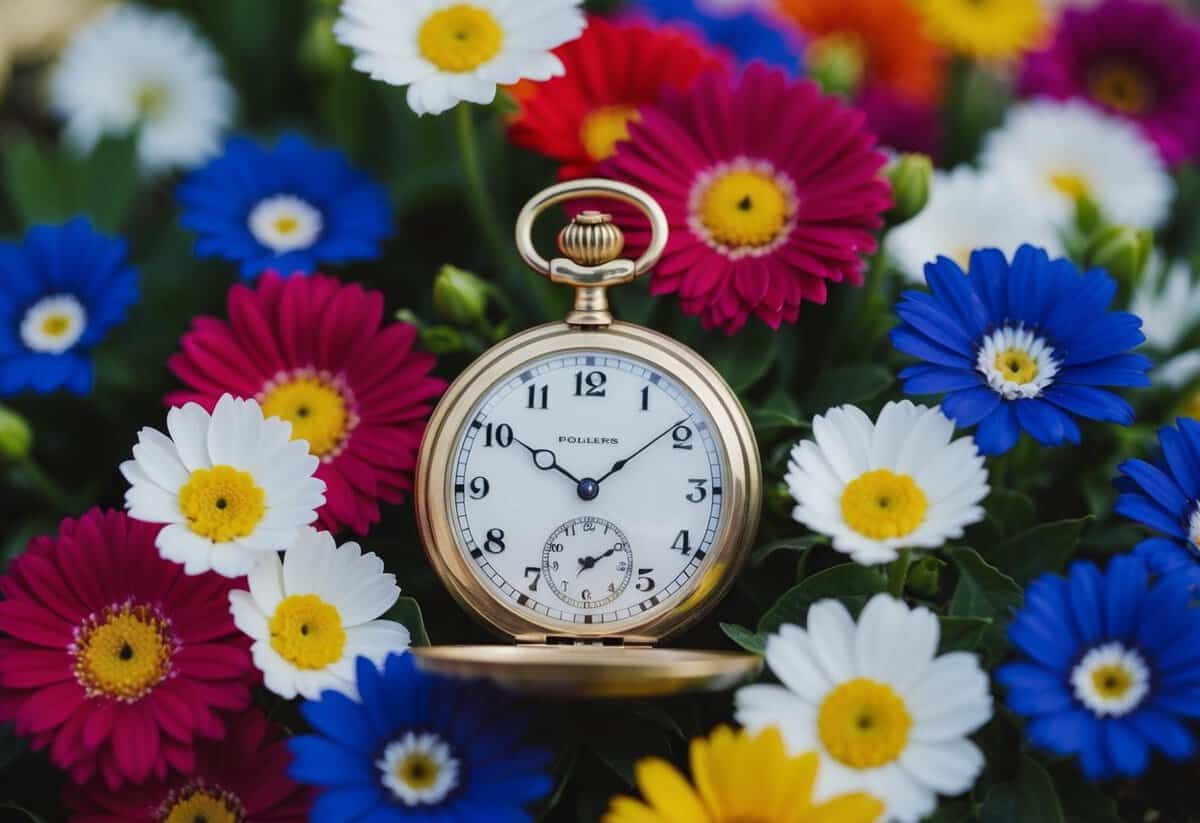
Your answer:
<point x="545" y="460"/>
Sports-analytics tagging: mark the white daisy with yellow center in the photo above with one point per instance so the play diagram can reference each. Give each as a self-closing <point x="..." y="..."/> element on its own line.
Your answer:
<point x="314" y="613"/>
<point x="1111" y="680"/>
<point x="230" y="486"/>
<point x="53" y="324"/>
<point x="969" y="210"/>
<point x="877" y="487"/>
<point x="742" y="208"/>
<point x="284" y="222"/>
<point x="150" y="71"/>
<point x="419" y="769"/>
<point x="886" y="715"/>
<point x="450" y="51"/>
<point x="1017" y="362"/>
<point x="1058" y="153"/>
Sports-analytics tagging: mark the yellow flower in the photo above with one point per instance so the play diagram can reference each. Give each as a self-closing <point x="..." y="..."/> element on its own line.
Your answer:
<point x="986" y="29"/>
<point x="740" y="778"/>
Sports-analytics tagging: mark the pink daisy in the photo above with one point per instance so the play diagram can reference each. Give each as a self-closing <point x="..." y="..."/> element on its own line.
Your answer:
<point x="316" y="353"/>
<point x="242" y="777"/>
<point x="115" y="660"/>
<point x="1134" y="59"/>
<point x="772" y="190"/>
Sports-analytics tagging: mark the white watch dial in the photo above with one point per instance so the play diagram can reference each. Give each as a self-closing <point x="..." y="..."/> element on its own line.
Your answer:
<point x="587" y="487"/>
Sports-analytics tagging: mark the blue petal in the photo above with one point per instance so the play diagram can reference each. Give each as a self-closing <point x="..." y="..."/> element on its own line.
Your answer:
<point x="1085" y="585"/>
<point x="1033" y="690"/>
<point x="910" y="341"/>
<point x="970" y="406"/>
<point x="347" y="805"/>
<point x="1183" y="464"/>
<point x="998" y="432"/>
<point x="1164" y="733"/>
<point x="1090" y="403"/>
<point x="1138" y="507"/>
<point x="1044" y="423"/>
<point x="1069" y="732"/>
<point x="923" y="379"/>
<point x="1160" y="486"/>
<point x="1167" y="558"/>
<point x="320" y="761"/>
<point x="1128" y="750"/>
<point x="1125" y="584"/>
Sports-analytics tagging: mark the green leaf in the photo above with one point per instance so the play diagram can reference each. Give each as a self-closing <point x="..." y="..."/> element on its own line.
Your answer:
<point x="791" y="544"/>
<point x="849" y="582"/>
<point x="408" y="612"/>
<point x="1011" y="511"/>
<point x="983" y="591"/>
<point x="746" y="357"/>
<point x="1083" y="801"/>
<point x="1045" y="548"/>
<point x="34" y="183"/>
<point x="951" y="811"/>
<point x="110" y="183"/>
<point x="752" y="641"/>
<point x="963" y="634"/>
<point x="1031" y="798"/>
<point x="847" y="384"/>
<point x="775" y="422"/>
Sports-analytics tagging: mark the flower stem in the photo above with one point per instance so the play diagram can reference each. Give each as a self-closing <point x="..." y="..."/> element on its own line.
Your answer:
<point x="897" y="573"/>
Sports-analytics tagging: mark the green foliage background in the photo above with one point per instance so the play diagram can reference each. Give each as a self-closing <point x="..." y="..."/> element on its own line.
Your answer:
<point x="1047" y="507"/>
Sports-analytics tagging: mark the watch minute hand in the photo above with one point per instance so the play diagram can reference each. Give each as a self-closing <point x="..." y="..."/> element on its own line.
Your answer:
<point x="620" y="464"/>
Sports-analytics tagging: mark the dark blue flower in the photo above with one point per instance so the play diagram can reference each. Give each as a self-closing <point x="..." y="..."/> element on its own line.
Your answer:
<point x="1020" y="346"/>
<point x="1110" y="667"/>
<point x="748" y="34"/>
<point x="290" y="208"/>
<point x="418" y="747"/>
<point x="1165" y="495"/>
<point x="61" y="290"/>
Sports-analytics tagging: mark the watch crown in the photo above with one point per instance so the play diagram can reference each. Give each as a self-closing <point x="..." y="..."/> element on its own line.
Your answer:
<point x="591" y="239"/>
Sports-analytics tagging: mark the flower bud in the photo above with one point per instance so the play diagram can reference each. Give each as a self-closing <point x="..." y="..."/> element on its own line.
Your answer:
<point x="442" y="340"/>
<point x="925" y="576"/>
<point x="459" y="296"/>
<point x="910" y="176"/>
<point x="1121" y="250"/>
<point x="16" y="438"/>
<point x="837" y="62"/>
<point x="319" y="50"/>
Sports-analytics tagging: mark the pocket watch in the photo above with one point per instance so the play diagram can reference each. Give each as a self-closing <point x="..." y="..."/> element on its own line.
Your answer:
<point x="589" y="488"/>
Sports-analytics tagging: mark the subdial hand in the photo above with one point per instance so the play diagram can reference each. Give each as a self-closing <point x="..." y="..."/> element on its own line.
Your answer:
<point x="620" y="464"/>
<point x="586" y="563"/>
<point x="545" y="460"/>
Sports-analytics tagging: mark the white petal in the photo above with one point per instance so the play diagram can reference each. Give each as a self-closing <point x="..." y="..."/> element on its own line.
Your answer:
<point x="188" y="426"/>
<point x="831" y="631"/>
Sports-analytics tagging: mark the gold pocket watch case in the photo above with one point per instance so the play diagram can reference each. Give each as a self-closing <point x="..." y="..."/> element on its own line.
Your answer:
<point x="590" y="488"/>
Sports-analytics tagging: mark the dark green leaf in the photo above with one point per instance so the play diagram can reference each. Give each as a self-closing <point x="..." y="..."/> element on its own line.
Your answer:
<point x="751" y="641"/>
<point x="850" y="582"/>
<point x="1084" y="802"/>
<point x="1031" y="798"/>
<point x="110" y="183"/>
<point x="775" y="422"/>
<point x="963" y="634"/>
<point x="1045" y="548"/>
<point x="1011" y="511"/>
<point x="744" y="358"/>
<point x="790" y="544"/>
<point x="951" y="811"/>
<point x="983" y="591"/>
<point x="408" y="612"/>
<point x="34" y="183"/>
<point x="847" y="384"/>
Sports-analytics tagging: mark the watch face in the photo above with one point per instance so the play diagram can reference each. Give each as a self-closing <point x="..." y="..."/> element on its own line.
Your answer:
<point x="587" y="487"/>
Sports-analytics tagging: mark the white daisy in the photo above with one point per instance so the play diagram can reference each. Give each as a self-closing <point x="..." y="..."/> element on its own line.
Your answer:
<point x="1058" y="152"/>
<point x="135" y="68"/>
<point x="313" y="614"/>
<point x="229" y="486"/>
<point x="966" y="211"/>
<point x="885" y="714"/>
<point x="1169" y="305"/>
<point x="878" y="487"/>
<point x="448" y="51"/>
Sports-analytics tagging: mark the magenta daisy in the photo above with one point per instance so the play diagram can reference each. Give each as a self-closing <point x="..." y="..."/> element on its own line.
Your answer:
<point x="772" y="190"/>
<point x="318" y="354"/>
<point x="242" y="777"/>
<point x="114" y="659"/>
<point x="1136" y="59"/>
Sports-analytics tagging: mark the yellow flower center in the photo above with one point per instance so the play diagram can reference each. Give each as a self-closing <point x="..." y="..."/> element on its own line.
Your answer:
<point x="222" y="503"/>
<point x="55" y="325"/>
<point x="745" y="208"/>
<point x="307" y="632"/>
<point x="604" y="127"/>
<point x="123" y="652"/>
<point x="1191" y="406"/>
<point x="881" y="504"/>
<point x="315" y="407"/>
<point x="418" y="771"/>
<point x="1121" y="87"/>
<point x="151" y="100"/>
<point x="1070" y="184"/>
<point x="1112" y="681"/>
<point x="864" y="724"/>
<point x="287" y="225"/>
<point x="460" y="38"/>
<point x="1017" y="366"/>
<point x="202" y="804"/>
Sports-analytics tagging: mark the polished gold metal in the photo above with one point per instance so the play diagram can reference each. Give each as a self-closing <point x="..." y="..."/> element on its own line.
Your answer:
<point x="559" y="657"/>
<point x="592" y="671"/>
<point x="591" y="243"/>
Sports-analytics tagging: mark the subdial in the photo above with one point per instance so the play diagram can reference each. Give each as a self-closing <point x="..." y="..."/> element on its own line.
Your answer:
<point x="587" y="562"/>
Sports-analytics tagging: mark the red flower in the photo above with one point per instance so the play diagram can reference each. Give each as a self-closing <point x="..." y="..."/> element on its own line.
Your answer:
<point x="772" y="190"/>
<point x="614" y="68"/>
<point x="240" y="778"/>
<point x="316" y="353"/>
<point x="114" y="658"/>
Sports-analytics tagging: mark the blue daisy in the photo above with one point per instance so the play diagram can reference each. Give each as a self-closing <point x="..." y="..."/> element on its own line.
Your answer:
<point x="418" y="747"/>
<point x="748" y="34"/>
<point x="1165" y="495"/>
<point x="290" y="208"/>
<point x="1110" y="667"/>
<point x="61" y="290"/>
<point x="1020" y="346"/>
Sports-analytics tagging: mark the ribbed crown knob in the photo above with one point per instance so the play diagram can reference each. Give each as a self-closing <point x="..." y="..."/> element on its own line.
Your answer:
<point x="591" y="239"/>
